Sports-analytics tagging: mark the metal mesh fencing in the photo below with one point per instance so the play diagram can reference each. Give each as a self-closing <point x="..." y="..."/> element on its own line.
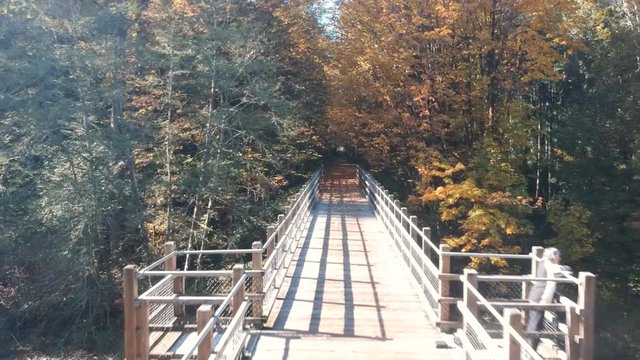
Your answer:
<point x="218" y="286"/>
<point x="162" y="314"/>
<point x="233" y="336"/>
<point x="502" y="290"/>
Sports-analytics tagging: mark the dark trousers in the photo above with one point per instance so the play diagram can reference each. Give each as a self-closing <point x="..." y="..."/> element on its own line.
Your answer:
<point x="536" y="321"/>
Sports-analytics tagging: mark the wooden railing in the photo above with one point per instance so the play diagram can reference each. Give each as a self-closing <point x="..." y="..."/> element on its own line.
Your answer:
<point x="470" y="303"/>
<point x="228" y="299"/>
<point x="486" y="310"/>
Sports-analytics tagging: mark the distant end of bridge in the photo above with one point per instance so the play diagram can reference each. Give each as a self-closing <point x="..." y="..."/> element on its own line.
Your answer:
<point x="347" y="272"/>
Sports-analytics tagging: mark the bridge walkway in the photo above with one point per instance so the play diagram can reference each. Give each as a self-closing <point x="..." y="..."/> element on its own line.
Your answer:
<point x="346" y="292"/>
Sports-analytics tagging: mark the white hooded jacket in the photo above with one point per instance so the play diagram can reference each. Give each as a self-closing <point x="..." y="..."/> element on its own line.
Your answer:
<point x="543" y="291"/>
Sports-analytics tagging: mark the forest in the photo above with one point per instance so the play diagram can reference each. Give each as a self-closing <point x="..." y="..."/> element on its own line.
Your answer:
<point x="503" y="124"/>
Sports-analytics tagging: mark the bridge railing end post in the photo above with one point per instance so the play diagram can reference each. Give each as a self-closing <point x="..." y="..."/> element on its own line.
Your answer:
<point x="130" y="294"/>
<point x="142" y="330"/>
<point x="586" y="308"/>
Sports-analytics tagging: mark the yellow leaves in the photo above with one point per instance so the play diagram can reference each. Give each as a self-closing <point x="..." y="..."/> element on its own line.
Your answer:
<point x="486" y="218"/>
<point x="440" y="170"/>
<point x="364" y="64"/>
<point x="561" y="154"/>
<point x="183" y="7"/>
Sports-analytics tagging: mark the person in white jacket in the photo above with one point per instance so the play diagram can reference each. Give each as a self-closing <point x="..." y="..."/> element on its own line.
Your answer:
<point x="543" y="292"/>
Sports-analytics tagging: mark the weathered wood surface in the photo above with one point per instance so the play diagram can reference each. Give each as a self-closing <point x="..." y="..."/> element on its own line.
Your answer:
<point x="347" y="293"/>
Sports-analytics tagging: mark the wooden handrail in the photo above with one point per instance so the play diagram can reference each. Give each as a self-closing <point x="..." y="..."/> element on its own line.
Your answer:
<point x="403" y="226"/>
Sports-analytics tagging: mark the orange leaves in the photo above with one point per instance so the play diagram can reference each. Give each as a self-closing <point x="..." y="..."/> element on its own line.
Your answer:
<point x="486" y="219"/>
<point x="440" y="170"/>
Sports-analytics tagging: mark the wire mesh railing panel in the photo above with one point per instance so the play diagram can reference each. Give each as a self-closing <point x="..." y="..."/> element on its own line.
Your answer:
<point x="472" y="333"/>
<point x="248" y="285"/>
<point x="492" y="326"/>
<point x="501" y="290"/>
<point x="270" y="293"/>
<point x="270" y="270"/>
<point x="249" y="290"/>
<point x="218" y="285"/>
<point x="233" y="336"/>
<point x="225" y="316"/>
<point x="551" y="328"/>
<point x="162" y="314"/>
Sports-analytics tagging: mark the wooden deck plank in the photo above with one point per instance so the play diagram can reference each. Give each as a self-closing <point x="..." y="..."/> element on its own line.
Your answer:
<point x="346" y="292"/>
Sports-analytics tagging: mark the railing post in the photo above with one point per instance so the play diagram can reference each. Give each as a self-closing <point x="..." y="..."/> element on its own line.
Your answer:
<point x="256" y="259"/>
<point x="270" y="230"/>
<point x="178" y="281"/>
<point x="397" y="214"/>
<point x="444" y="267"/>
<point x="142" y="330"/>
<point x="513" y="319"/>
<point x="405" y="213"/>
<point x="287" y="210"/>
<point x="470" y="279"/>
<point x="282" y="229"/>
<point x="573" y="334"/>
<point x="294" y="208"/>
<point x="129" y="294"/>
<point x="387" y="202"/>
<point x="586" y="306"/>
<point x="412" y="231"/>
<point x="426" y="247"/>
<point x="536" y="254"/>
<point x="203" y="315"/>
<point x="238" y="271"/>
<point x="396" y="209"/>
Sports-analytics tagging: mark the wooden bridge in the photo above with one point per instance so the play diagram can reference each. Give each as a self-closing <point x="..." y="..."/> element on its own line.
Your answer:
<point x="346" y="272"/>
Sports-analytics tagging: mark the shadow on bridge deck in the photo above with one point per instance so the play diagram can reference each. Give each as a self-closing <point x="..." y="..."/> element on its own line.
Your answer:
<point x="346" y="293"/>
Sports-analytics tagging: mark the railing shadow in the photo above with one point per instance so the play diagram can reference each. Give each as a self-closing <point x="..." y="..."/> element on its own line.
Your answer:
<point x="339" y="198"/>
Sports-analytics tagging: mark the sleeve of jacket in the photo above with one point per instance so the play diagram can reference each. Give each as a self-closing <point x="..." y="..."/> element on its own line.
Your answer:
<point x="550" y="287"/>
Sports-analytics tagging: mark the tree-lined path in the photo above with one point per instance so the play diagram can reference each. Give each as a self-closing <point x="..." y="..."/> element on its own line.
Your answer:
<point x="346" y="293"/>
<point x="346" y="272"/>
